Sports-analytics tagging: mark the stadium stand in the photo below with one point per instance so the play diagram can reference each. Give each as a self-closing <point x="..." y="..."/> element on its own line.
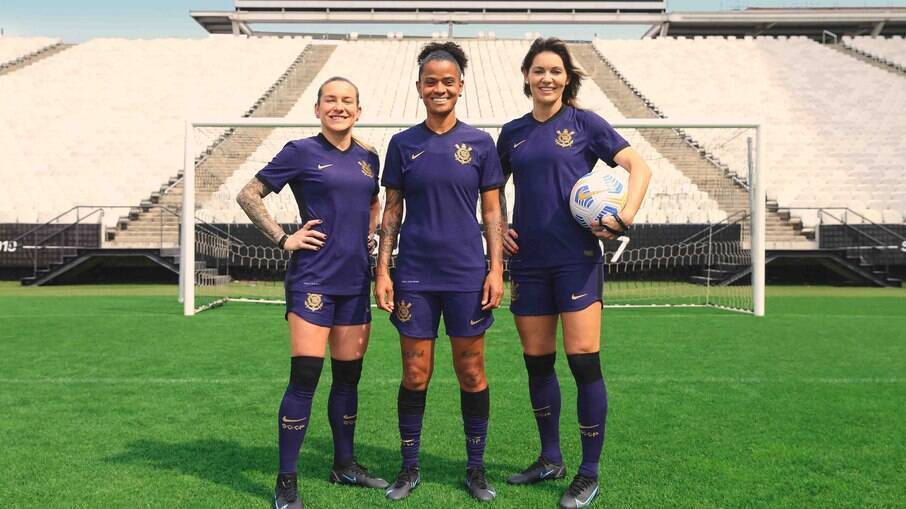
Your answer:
<point x="492" y="93"/>
<point x="891" y="51"/>
<point x="833" y="142"/>
<point x="103" y="122"/>
<point x="17" y="49"/>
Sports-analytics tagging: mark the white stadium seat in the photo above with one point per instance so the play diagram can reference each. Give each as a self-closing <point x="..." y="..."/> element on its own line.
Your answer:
<point x="829" y="140"/>
<point x="493" y="91"/>
<point x="103" y="122"/>
<point x="13" y="49"/>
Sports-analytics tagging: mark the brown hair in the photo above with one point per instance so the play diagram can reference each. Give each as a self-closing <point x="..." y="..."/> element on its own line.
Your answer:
<point x="338" y="78"/>
<point x="355" y="138"/>
<point x="574" y="73"/>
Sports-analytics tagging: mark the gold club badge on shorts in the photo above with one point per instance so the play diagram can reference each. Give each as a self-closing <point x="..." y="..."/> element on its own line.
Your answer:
<point x="565" y="138"/>
<point x="463" y="154"/>
<point x="366" y="169"/>
<point x="403" y="311"/>
<point x="514" y="291"/>
<point x="314" y="302"/>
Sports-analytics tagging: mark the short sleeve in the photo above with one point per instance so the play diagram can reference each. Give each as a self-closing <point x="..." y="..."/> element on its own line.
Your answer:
<point x="393" y="167"/>
<point x="503" y="153"/>
<point x="603" y="140"/>
<point x="376" y="164"/>
<point x="491" y="172"/>
<point x="282" y="168"/>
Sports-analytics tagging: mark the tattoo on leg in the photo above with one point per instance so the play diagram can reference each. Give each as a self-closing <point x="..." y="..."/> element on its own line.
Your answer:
<point x="470" y="353"/>
<point x="412" y="354"/>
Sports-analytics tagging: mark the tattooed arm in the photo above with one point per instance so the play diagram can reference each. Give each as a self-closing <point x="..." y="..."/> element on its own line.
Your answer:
<point x="390" y="227"/>
<point x="251" y="199"/>
<point x="492" y="217"/>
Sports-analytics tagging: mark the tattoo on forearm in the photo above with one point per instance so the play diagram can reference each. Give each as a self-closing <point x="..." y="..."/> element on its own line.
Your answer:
<point x="493" y="231"/>
<point x="390" y="225"/>
<point x="252" y="203"/>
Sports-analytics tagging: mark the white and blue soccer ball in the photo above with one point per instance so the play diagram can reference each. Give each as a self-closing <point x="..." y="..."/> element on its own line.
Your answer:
<point x="595" y="195"/>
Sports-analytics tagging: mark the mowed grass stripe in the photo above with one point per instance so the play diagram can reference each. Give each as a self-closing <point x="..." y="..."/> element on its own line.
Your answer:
<point x="707" y="408"/>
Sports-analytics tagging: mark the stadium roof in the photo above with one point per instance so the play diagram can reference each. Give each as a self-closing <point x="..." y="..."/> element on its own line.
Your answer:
<point x="586" y="12"/>
<point x="811" y="22"/>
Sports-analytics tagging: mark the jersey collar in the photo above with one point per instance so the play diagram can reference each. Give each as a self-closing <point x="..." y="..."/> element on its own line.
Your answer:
<point x="327" y="144"/>
<point x="563" y="108"/>
<point x="429" y="131"/>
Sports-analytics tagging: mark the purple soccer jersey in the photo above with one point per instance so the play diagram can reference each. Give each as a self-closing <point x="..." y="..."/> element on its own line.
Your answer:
<point x="546" y="159"/>
<point x="441" y="176"/>
<point x="335" y="186"/>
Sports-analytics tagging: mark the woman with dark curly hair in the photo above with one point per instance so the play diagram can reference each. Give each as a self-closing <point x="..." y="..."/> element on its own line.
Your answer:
<point x="440" y="168"/>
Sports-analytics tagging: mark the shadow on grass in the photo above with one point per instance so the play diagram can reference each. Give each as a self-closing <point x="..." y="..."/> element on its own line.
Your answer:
<point x="229" y="464"/>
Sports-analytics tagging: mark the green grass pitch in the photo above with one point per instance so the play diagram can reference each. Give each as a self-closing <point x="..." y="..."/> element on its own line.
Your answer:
<point x="111" y="398"/>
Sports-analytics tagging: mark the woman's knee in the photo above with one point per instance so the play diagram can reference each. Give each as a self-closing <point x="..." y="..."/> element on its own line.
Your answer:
<point x="416" y="375"/>
<point x="471" y="376"/>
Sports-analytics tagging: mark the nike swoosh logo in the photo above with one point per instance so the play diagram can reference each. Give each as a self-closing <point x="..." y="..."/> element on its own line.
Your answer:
<point x="414" y="156"/>
<point x="588" y="427"/>
<point x="546" y="473"/>
<point x="473" y="322"/>
<point x="540" y="409"/>
<point x="350" y="479"/>
<point x="576" y="297"/>
<point x="322" y="166"/>
<point x="353" y="416"/>
<point x="285" y="419"/>
<point x="520" y="143"/>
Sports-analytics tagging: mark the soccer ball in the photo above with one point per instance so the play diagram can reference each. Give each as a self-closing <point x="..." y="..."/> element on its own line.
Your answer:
<point x="595" y="195"/>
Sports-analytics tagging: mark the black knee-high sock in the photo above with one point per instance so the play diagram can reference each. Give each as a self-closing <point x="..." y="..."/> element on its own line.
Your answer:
<point x="295" y="409"/>
<point x="476" y="408"/>
<point x="411" y="411"/>
<point x="544" y="392"/>
<point x="342" y="407"/>
<point x="591" y="407"/>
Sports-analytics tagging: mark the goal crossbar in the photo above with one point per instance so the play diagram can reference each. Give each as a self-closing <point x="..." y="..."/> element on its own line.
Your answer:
<point x="187" y="237"/>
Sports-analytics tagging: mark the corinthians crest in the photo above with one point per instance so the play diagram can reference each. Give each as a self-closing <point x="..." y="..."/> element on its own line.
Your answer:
<point x="403" y="311"/>
<point x="463" y="154"/>
<point x="564" y="138"/>
<point x="366" y="169"/>
<point x="313" y="302"/>
<point x="514" y="291"/>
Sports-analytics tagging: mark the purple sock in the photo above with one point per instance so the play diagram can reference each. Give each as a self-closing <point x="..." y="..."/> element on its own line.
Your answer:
<point x="342" y="407"/>
<point x="411" y="410"/>
<point x="544" y="391"/>
<point x="475" y="408"/>
<point x="295" y="409"/>
<point x="591" y="408"/>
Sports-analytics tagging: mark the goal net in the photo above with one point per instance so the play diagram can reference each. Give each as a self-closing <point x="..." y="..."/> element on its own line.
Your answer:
<point x="698" y="239"/>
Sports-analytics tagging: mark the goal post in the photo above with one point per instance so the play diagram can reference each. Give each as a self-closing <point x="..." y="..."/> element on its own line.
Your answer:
<point x="699" y="239"/>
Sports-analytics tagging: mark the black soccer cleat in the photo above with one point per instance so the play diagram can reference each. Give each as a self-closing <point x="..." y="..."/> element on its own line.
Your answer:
<point x="356" y="475"/>
<point x="406" y="481"/>
<point x="580" y="493"/>
<point x="540" y="470"/>
<point x="286" y="493"/>
<point x="478" y="485"/>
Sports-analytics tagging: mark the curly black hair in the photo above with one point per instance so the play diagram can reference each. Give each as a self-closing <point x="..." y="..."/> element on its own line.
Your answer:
<point x="574" y="73"/>
<point x="450" y="47"/>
